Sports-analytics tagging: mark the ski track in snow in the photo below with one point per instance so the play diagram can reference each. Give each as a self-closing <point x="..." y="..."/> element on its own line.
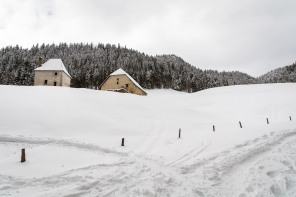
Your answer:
<point x="68" y="143"/>
<point x="192" y="154"/>
<point x="154" y="136"/>
<point x="239" y="171"/>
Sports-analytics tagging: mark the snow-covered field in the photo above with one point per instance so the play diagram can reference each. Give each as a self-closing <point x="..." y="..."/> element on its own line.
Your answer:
<point x="73" y="142"/>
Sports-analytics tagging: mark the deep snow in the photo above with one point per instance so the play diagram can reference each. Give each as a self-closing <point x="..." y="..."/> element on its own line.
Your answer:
<point x="72" y="139"/>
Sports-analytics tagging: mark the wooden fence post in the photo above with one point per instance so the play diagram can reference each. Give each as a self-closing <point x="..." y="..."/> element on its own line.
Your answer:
<point x="23" y="158"/>
<point x="180" y="133"/>
<point x="290" y="118"/>
<point x="122" y="142"/>
<point x="240" y="124"/>
<point x="267" y="121"/>
<point x="214" y="128"/>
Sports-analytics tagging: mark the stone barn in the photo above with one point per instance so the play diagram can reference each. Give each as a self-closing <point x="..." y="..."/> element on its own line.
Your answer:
<point x="120" y="81"/>
<point x="51" y="73"/>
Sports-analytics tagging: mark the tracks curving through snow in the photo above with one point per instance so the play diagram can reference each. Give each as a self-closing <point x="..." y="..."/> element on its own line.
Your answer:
<point x="52" y="141"/>
<point x="222" y="174"/>
<point x="191" y="154"/>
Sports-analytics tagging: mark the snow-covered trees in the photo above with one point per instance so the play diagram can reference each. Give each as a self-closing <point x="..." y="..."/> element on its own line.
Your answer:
<point x="280" y="75"/>
<point x="90" y="64"/>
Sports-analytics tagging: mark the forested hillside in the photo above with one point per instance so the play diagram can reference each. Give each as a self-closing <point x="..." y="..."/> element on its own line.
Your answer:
<point x="90" y="64"/>
<point x="280" y="75"/>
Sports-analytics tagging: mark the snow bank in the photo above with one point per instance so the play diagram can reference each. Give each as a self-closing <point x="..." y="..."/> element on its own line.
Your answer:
<point x="70" y="131"/>
<point x="149" y="124"/>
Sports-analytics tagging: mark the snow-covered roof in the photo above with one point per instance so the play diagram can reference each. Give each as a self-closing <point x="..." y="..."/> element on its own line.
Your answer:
<point x="122" y="72"/>
<point x="119" y="72"/>
<point x="54" y="64"/>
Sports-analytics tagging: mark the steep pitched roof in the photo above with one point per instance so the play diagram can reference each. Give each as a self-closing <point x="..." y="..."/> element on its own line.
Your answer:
<point x="122" y="72"/>
<point x="54" y="64"/>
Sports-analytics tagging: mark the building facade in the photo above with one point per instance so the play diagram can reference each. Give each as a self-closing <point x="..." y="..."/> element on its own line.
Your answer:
<point x="52" y="73"/>
<point x="120" y="81"/>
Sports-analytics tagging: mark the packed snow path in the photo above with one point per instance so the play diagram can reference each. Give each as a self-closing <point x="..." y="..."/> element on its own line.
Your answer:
<point x="72" y="140"/>
<point x="265" y="166"/>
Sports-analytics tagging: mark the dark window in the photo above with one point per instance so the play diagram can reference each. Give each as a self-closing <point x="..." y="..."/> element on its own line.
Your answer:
<point x="117" y="82"/>
<point x="126" y="85"/>
<point x="55" y="83"/>
<point x="45" y="82"/>
<point x="55" y="73"/>
<point x="117" y="79"/>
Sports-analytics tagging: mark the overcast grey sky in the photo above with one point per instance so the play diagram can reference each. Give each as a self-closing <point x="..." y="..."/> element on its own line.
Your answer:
<point x="252" y="36"/>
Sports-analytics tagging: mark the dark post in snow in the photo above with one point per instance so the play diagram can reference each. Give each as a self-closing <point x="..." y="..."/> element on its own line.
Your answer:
<point x="290" y="118"/>
<point x="240" y="124"/>
<point x="179" y="133"/>
<point x="23" y="159"/>
<point x="267" y="121"/>
<point x="213" y="127"/>
<point x="122" y="142"/>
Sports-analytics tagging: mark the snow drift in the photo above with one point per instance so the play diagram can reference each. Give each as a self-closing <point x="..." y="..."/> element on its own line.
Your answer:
<point x="73" y="136"/>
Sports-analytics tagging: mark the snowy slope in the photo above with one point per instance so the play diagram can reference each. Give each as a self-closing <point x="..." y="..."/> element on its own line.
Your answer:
<point x="72" y="139"/>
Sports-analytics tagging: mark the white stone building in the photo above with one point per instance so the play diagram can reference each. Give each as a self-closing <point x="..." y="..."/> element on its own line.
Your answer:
<point x="52" y="73"/>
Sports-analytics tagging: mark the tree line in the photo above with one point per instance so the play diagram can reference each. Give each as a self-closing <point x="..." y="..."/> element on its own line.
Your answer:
<point x="90" y="64"/>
